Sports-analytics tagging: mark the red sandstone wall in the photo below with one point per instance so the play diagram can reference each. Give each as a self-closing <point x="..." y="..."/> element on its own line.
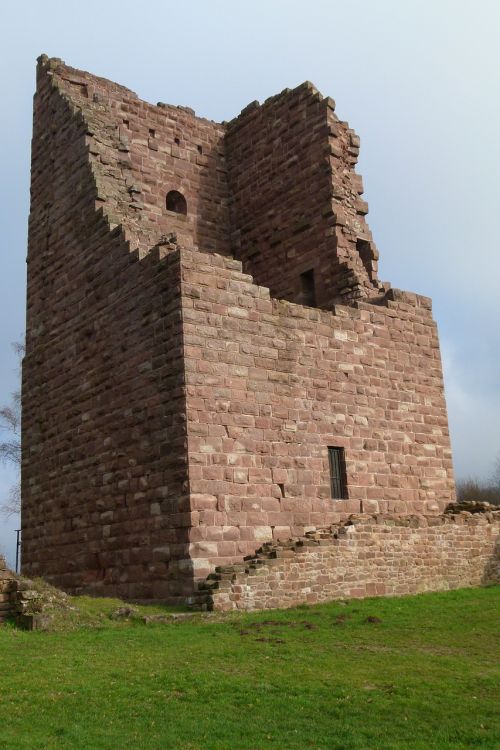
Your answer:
<point x="295" y="198"/>
<point x="174" y="415"/>
<point x="104" y="463"/>
<point x="372" y="557"/>
<point x="139" y="152"/>
<point x="270" y="385"/>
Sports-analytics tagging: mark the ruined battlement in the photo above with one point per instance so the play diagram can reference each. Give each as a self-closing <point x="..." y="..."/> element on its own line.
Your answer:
<point x="243" y="182"/>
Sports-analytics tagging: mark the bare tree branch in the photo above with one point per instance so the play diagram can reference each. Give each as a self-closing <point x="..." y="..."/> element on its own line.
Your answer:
<point x="10" y="453"/>
<point x="19" y="348"/>
<point x="10" y="448"/>
<point x="495" y="477"/>
<point x="12" y="506"/>
<point x="473" y="489"/>
<point x="10" y="416"/>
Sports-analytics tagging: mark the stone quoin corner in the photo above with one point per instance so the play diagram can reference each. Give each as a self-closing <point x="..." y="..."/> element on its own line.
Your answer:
<point x="222" y="403"/>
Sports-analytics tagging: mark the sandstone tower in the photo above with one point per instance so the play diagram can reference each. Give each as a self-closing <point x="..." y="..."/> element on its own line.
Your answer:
<point x="212" y="362"/>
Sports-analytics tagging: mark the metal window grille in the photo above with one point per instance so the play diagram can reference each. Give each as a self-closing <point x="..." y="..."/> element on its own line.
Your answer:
<point x="338" y="482"/>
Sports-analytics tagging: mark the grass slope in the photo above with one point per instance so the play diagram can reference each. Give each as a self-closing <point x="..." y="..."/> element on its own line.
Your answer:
<point x="417" y="673"/>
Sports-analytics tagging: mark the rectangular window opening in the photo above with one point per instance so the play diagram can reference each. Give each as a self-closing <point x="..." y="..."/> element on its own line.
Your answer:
<point x="364" y="249"/>
<point x="152" y="133"/>
<point x="308" y="288"/>
<point x="338" y="477"/>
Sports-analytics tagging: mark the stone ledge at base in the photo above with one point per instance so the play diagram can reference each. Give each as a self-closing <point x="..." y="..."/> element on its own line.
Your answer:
<point x="368" y="555"/>
<point x="19" y="601"/>
<point x="7" y="591"/>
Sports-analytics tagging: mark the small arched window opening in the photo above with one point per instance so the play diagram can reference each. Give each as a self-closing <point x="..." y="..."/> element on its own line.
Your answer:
<point x="176" y="202"/>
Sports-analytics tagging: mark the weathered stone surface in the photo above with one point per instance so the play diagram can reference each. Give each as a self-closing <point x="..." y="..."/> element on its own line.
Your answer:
<point x="7" y="591"/>
<point x="375" y="558"/>
<point x="30" y="603"/>
<point x="179" y="398"/>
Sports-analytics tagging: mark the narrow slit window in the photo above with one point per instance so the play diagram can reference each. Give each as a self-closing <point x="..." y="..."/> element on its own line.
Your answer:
<point x="176" y="202"/>
<point x="338" y="482"/>
<point x="365" y="251"/>
<point x="308" y="288"/>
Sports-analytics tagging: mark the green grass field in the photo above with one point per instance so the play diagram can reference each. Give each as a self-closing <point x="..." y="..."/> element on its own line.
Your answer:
<point x="418" y="673"/>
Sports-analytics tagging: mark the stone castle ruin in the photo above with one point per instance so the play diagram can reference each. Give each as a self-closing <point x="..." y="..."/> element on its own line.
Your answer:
<point x="221" y="400"/>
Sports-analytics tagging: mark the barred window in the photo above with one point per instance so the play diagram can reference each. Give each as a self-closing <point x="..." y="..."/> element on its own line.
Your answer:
<point x="338" y="482"/>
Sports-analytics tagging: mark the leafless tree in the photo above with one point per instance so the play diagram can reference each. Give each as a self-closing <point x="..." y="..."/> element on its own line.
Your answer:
<point x="495" y="478"/>
<point x="486" y="490"/>
<point x="10" y="447"/>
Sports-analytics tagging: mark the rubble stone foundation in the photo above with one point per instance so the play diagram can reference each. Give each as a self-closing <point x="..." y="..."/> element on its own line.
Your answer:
<point x="7" y="591"/>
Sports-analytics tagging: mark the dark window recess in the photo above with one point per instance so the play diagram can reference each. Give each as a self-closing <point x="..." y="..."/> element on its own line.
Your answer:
<point x="176" y="202"/>
<point x="338" y="480"/>
<point x="152" y="133"/>
<point x="364" y="249"/>
<point x="308" y="288"/>
<point x="200" y="149"/>
<point x="177" y="141"/>
<point x="126" y="123"/>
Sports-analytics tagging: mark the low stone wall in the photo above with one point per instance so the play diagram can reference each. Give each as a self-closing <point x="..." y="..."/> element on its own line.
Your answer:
<point x="366" y="556"/>
<point x="19" y="599"/>
<point x="7" y="591"/>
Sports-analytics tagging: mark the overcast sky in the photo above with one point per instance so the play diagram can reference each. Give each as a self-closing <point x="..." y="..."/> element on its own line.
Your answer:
<point x="418" y="80"/>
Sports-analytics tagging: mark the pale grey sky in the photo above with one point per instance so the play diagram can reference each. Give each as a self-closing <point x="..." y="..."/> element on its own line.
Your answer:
<point x="418" y="80"/>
